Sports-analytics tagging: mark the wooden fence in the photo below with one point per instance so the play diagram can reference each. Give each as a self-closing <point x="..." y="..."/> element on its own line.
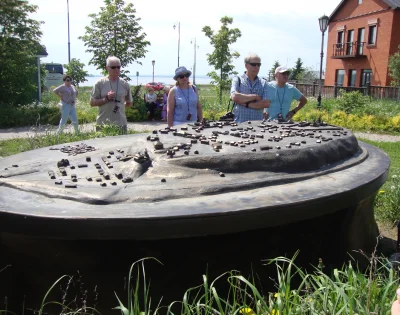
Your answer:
<point x="332" y="91"/>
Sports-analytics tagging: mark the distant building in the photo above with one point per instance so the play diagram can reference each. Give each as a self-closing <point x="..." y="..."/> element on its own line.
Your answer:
<point x="362" y="35"/>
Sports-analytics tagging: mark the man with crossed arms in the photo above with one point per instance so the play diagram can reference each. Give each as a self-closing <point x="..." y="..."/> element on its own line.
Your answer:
<point x="249" y="92"/>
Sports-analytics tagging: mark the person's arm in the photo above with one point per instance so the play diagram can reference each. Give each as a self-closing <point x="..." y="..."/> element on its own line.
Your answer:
<point x="57" y="91"/>
<point x="264" y="101"/>
<point x="128" y="98"/>
<point x="259" y="104"/>
<point x="300" y="105"/>
<point x="95" y="99"/>
<point x="199" y="109"/>
<point x="98" y="102"/>
<point x="240" y="98"/>
<point x="171" y="107"/>
<point x="243" y="99"/>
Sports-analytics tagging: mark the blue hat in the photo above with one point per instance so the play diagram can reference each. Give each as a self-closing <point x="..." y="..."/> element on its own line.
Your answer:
<point x="181" y="71"/>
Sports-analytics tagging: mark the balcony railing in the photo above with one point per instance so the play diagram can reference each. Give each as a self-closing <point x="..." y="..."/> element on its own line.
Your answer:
<point x="348" y="50"/>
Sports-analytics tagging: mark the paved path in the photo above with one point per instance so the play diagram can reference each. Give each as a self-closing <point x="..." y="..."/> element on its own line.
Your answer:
<point x="24" y="132"/>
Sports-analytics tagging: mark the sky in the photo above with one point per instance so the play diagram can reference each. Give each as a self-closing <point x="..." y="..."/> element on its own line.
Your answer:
<point x="282" y="31"/>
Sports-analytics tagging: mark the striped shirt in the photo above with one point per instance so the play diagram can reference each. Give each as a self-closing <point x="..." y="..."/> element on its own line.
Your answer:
<point x="259" y="87"/>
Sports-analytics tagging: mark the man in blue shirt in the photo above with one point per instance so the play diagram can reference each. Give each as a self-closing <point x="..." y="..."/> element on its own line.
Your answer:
<point x="281" y="95"/>
<point x="249" y="92"/>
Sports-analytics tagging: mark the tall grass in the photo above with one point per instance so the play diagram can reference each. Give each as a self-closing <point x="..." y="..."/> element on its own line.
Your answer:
<point x="347" y="290"/>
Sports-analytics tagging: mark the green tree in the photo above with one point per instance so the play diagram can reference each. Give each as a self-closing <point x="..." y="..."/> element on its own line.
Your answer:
<point x="115" y="31"/>
<point x="297" y="70"/>
<point x="19" y="46"/>
<point x="271" y="74"/>
<point x="221" y="57"/>
<point x="394" y="68"/>
<point x="75" y="70"/>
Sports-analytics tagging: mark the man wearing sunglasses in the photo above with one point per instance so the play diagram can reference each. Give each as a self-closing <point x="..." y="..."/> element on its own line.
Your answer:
<point x="249" y="92"/>
<point x="281" y="95"/>
<point x="112" y="95"/>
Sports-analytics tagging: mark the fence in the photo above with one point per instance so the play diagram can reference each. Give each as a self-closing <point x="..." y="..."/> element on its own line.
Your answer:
<point x="332" y="91"/>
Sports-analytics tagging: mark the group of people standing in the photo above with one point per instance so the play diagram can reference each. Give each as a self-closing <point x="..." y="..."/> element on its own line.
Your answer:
<point x="254" y="97"/>
<point x="110" y="94"/>
<point x="257" y="99"/>
<point x="151" y="100"/>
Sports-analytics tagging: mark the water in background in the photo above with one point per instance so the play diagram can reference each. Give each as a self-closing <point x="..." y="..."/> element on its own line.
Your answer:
<point x="200" y="79"/>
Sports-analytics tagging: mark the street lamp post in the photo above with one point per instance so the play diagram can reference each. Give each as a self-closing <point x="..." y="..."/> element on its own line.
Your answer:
<point x="41" y="53"/>
<point x="153" y="62"/>
<point x="179" y="36"/>
<point x="323" y="25"/>
<point x="69" y="44"/>
<point x="193" y="41"/>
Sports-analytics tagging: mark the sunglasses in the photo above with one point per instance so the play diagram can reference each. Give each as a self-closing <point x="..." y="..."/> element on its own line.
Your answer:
<point x="68" y="80"/>
<point x="115" y="67"/>
<point x="255" y="64"/>
<point x="285" y="73"/>
<point x="187" y="75"/>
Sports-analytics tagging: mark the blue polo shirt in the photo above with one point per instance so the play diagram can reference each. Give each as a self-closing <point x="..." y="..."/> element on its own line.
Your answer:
<point x="281" y="98"/>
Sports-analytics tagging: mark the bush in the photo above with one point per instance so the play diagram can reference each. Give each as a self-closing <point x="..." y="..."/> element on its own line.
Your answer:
<point x="28" y="115"/>
<point x="352" y="102"/>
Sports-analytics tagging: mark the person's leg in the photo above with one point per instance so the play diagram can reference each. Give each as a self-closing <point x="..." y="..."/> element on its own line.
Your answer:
<point x="148" y="106"/>
<point x="74" y="118"/>
<point x="164" y="113"/>
<point x="124" y="129"/>
<point x="64" y="117"/>
<point x="153" y="107"/>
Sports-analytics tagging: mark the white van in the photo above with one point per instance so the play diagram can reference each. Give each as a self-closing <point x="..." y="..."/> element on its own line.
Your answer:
<point x="54" y="75"/>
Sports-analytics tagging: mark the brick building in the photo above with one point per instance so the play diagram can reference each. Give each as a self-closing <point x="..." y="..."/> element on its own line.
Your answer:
<point x="362" y="35"/>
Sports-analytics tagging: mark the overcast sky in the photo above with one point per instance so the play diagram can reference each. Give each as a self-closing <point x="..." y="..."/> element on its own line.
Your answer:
<point x="275" y="30"/>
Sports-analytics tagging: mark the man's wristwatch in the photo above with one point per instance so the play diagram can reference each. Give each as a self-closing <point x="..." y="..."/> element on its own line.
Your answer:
<point x="247" y="104"/>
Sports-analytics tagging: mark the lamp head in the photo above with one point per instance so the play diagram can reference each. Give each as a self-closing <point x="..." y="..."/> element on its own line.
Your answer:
<point x="323" y="23"/>
<point x="153" y="62"/>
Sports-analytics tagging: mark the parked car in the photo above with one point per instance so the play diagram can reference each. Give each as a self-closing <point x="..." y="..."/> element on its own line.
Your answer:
<point x="157" y="86"/>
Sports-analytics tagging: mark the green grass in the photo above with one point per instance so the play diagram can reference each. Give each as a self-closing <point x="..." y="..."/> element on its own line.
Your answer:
<point x="387" y="202"/>
<point x="392" y="149"/>
<point x="13" y="146"/>
<point x="345" y="290"/>
<point x="38" y="140"/>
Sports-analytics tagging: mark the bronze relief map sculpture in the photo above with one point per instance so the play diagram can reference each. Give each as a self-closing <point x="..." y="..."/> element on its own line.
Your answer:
<point x="190" y="180"/>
